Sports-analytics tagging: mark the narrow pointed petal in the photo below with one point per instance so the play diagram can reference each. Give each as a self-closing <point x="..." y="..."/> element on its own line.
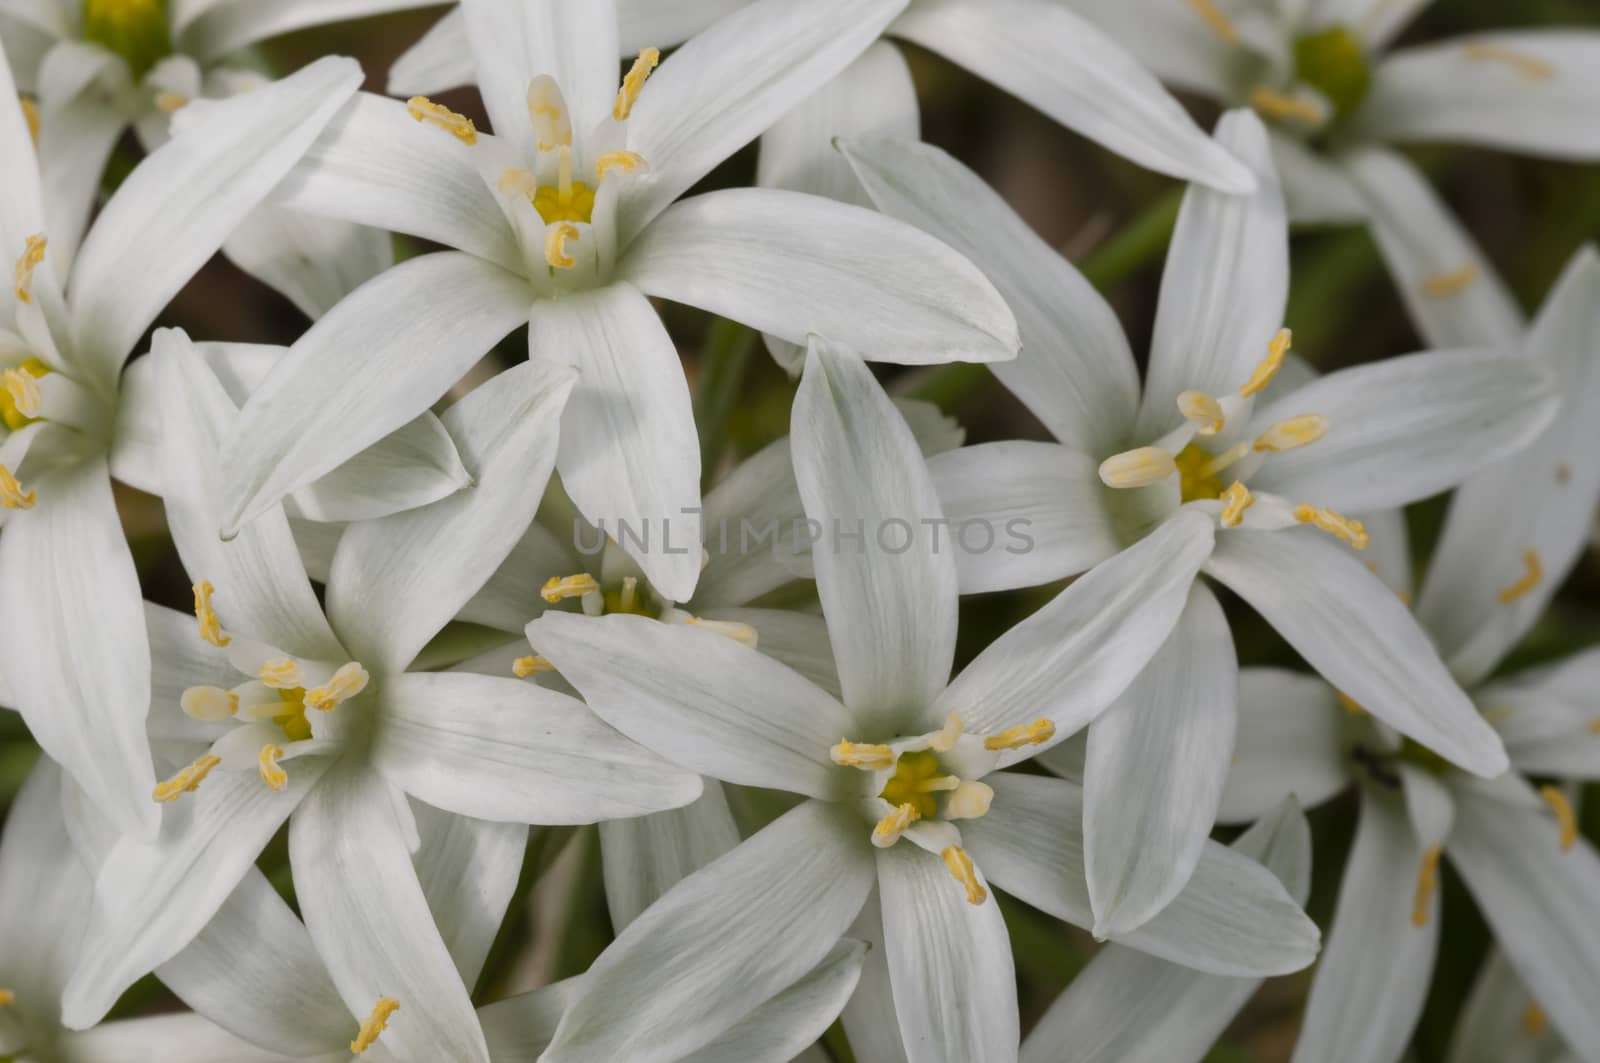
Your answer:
<point x="1493" y="1023"/>
<point x="77" y="132"/>
<point x="468" y="869"/>
<point x="1174" y="41"/>
<point x="664" y="23"/>
<point x="1290" y="742"/>
<point x="645" y="856"/>
<point x="224" y="27"/>
<point x="798" y="640"/>
<point x="441" y="60"/>
<point x="792" y="1021"/>
<point x="180" y="1038"/>
<point x="1316" y="190"/>
<point x="313" y="262"/>
<point x="1546" y="716"/>
<point x="869" y="1018"/>
<point x="22" y="207"/>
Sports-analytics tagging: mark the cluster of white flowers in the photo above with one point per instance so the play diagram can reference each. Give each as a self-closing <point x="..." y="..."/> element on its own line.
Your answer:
<point x="338" y="521"/>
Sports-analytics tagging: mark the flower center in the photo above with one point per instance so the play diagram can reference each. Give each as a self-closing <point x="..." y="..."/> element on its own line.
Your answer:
<point x="1333" y="62"/>
<point x="134" y="29"/>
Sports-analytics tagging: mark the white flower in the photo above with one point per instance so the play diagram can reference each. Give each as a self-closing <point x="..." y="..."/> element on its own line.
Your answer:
<point x="1207" y="438"/>
<point x="899" y="778"/>
<point x="565" y="219"/>
<point x="286" y="710"/>
<point x="1513" y="533"/>
<point x="74" y="657"/>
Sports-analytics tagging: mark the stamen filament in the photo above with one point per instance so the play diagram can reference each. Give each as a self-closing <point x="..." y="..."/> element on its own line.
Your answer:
<point x="1217" y="22"/>
<point x="891" y="827"/>
<point x="347" y="682"/>
<point x="1427" y="883"/>
<point x="1027" y="734"/>
<point x="564" y="175"/>
<point x="1444" y="285"/>
<point x="210" y="627"/>
<point x="944" y="739"/>
<point x="1566" y="818"/>
<point x="1235" y="500"/>
<point x="32" y="256"/>
<point x="1281" y="105"/>
<point x="559" y="588"/>
<point x="1292" y="434"/>
<point x="209" y="703"/>
<point x="1532" y="576"/>
<point x="866" y="757"/>
<point x="457" y="125"/>
<point x="30" y="114"/>
<point x="1140" y="467"/>
<point x="960" y="864"/>
<point x="375" y="1024"/>
<point x="555" y="245"/>
<point x="1203" y="411"/>
<point x="523" y="667"/>
<point x="271" y="774"/>
<point x="633" y="82"/>
<point x="938" y="784"/>
<point x="12" y="496"/>
<point x="1529" y="66"/>
<point x="1340" y="527"/>
<point x="1269" y="366"/>
<point x="1226" y="460"/>
<point x="187" y="780"/>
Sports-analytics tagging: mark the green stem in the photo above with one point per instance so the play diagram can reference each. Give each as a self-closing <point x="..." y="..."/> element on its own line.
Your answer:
<point x="722" y="373"/>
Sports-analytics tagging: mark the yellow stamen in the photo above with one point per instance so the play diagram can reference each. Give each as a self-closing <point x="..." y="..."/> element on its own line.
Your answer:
<point x="552" y="127"/>
<point x="971" y="800"/>
<point x="187" y="780"/>
<point x="555" y="245"/>
<point x="12" y="496"/>
<point x="1281" y="105"/>
<point x="1217" y="22"/>
<point x="1594" y="726"/>
<point x="1027" y="734"/>
<point x="1444" y="285"/>
<point x="1427" y="883"/>
<point x="1340" y="527"/>
<point x="347" y="682"/>
<point x="960" y="865"/>
<point x="519" y="181"/>
<point x="626" y="161"/>
<point x="7" y="998"/>
<point x="1531" y="67"/>
<point x="32" y="256"/>
<point x="1269" y="366"/>
<point x="282" y="673"/>
<point x="944" y="739"/>
<point x="1236" y="499"/>
<point x="457" y="125"/>
<point x="938" y="784"/>
<point x="1534" y="1020"/>
<point x="866" y="757"/>
<point x="523" y="667"/>
<point x="1292" y="434"/>
<point x="1566" y="818"/>
<point x="1203" y="411"/>
<point x="892" y="826"/>
<point x="743" y="634"/>
<point x="210" y="626"/>
<point x="30" y="114"/>
<point x="376" y="1023"/>
<point x="633" y="82"/>
<point x="1532" y="576"/>
<point x="13" y="417"/>
<point x="275" y="777"/>
<point x="209" y="703"/>
<point x="1349" y="704"/>
<point x="1137" y="468"/>
<point x="22" y="388"/>
<point x="558" y="588"/>
<point x="171" y="102"/>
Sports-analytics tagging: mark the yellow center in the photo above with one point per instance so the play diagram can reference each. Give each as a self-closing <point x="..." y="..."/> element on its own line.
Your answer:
<point x="13" y="417"/>
<point x="134" y="29"/>
<point x="296" y="728"/>
<point x="576" y="205"/>
<point x="1195" y="477"/>
<point x="917" y="779"/>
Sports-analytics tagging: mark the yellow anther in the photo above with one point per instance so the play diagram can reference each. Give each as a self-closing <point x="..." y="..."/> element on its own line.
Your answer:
<point x="1529" y="66"/>
<point x="1217" y="22"/>
<point x="282" y="673"/>
<point x="457" y="125"/>
<point x="1566" y="818"/>
<point x="555" y="245"/>
<point x="1349" y="704"/>
<point x="30" y="114"/>
<point x="1137" y="468"/>
<point x="559" y="588"/>
<point x="171" y="102"/>
<point x="633" y="82"/>
<point x="1027" y="734"/>
<point x="376" y="1023"/>
<point x="12" y="496"/>
<point x="1282" y="106"/>
<point x="523" y="667"/>
<point x="1351" y="531"/>
<point x="32" y="256"/>
<point x="271" y="774"/>
<point x="22" y="388"/>
<point x="1534" y="1020"/>
<point x="944" y="739"/>
<point x="626" y="161"/>
<point x="1594" y="726"/>
<point x="892" y="826"/>
<point x="347" y="682"/>
<point x="1203" y="411"/>
<point x="520" y="182"/>
<point x="552" y="126"/>
<point x="1427" y="883"/>
<point x="1292" y="434"/>
<point x="187" y="780"/>
<point x="12" y="416"/>
<point x="971" y="800"/>
<point x="1235" y="500"/>
<point x="866" y="757"/>
<point x="743" y="634"/>
<point x="1532" y="576"/>
<point x="210" y="626"/>
<point x="209" y="703"/>
<point x="1456" y="281"/>
<point x="7" y="998"/>
<point x="960" y="864"/>
<point x="1269" y="366"/>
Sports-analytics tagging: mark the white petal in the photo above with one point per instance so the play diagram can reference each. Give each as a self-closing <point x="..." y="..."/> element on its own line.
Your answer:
<point x="1546" y="717"/>
<point x="152" y="898"/>
<point x="721" y="941"/>
<point x="573" y="41"/>
<point x="262" y="591"/>
<point x="175" y="210"/>
<point x="664" y="23"/>
<point x="1172" y="40"/>
<point x="1057" y="61"/>
<point x="1224" y="287"/>
<point x="795" y="1018"/>
<point x="1451" y="290"/>
<point x="1404" y="429"/>
<point x="798" y="640"/>
<point x="726" y="85"/>
<point x="313" y="262"/>
<point x="1376" y="22"/>
<point x="374" y="363"/>
<point x="950" y="962"/>
<point x="1491" y="1027"/>
<point x="751" y="521"/>
<point x="629" y="452"/>
<point x="468" y="869"/>
<point x="396" y="582"/>
<point x="1351" y="1015"/>
<point x="646" y="856"/>
<point x="376" y="165"/>
<point x="441" y="60"/>
<point x="511" y="596"/>
<point x="1075" y="371"/>
<point x="1290" y="742"/>
<point x="1156" y="763"/>
<point x="365" y="909"/>
<point x="78" y="128"/>
<point x="890" y="601"/>
<point x="180" y="1038"/>
<point x="75" y="656"/>
<point x="1315" y="189"/>
<point x="225" y="26"/>
<point x="22" y="207"/>
<point x="1069" y="661"/>
<point x="869" y="1018"/>
<point x="1353" y="630"/>
<point x="1533" y="91"/>
<point x="510" y="751"/>
<point x="772" y="260"/>
<point x="700" y="699"/>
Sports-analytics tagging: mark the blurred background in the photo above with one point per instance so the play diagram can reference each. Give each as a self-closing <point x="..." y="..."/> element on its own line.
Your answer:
<point x="1111" y="218"/>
